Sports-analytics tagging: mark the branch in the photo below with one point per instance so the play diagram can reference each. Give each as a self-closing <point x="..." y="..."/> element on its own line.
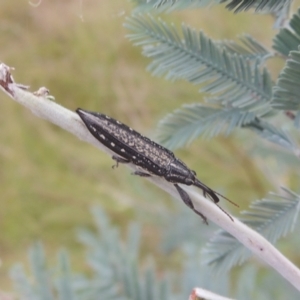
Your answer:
<point x="199" y="293"/>
<point x="41" y="106"/>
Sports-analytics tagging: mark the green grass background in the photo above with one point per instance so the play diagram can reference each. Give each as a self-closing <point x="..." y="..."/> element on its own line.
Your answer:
<point x="48" y="178"/>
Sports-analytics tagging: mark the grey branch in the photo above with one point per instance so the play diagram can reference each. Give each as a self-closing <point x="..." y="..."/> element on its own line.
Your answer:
<point x="40" y="105"/>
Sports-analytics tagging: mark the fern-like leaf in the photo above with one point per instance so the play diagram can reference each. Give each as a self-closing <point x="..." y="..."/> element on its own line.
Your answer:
<point x="271" y="133"/>
<point x="249" y="48"/>
<point x="288" y="38"/>
<point x="270" y="217"/>
<point x="170" y="5"/>
<point x="266" y="6"/>
<point x="115" y="263"/>
<point x="199" y="60"/>
<point x="41" y="287"/>
<point x="65" y="283"/>
<point x="282" y="15"/>
<point x="186" y="124"/>
<point x="22" y="284"/>
<point x="286" y="91"/>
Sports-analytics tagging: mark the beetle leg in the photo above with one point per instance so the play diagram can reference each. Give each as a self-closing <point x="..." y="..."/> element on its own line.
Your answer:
<point x="120" y="160"/>
<point x="187" y="200"/>
<point x="142" y="174"/>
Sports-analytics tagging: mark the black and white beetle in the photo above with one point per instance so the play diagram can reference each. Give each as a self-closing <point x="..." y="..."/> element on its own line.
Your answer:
<point x="151" y="158"/>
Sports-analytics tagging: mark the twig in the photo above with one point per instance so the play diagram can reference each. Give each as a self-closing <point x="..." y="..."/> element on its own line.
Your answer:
<point x="46" y="109"/>
<point x="198" y="294"/>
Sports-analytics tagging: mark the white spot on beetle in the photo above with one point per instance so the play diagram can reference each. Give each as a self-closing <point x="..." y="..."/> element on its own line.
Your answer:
<point x="134" y="157"/>
<point x="102" y="136"/>
<point x="107" y="117"/>
<point x="112" y="144"/>
<point x="93" y="128"/>
<point x="118" y="122"/>
<point x="122" y="150"/>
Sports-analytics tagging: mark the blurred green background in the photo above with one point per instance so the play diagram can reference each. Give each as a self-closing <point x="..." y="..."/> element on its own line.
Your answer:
<point x="48" y="178"/>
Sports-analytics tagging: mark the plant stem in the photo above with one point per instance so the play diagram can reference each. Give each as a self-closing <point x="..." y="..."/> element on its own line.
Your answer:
<point x="46" y="109"/>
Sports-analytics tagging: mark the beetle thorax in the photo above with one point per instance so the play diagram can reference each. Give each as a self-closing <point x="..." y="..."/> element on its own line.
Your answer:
<point x="180" y="173"/>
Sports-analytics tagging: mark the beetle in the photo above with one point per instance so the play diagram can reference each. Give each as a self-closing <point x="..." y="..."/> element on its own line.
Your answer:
<point x="129" y="146"/>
